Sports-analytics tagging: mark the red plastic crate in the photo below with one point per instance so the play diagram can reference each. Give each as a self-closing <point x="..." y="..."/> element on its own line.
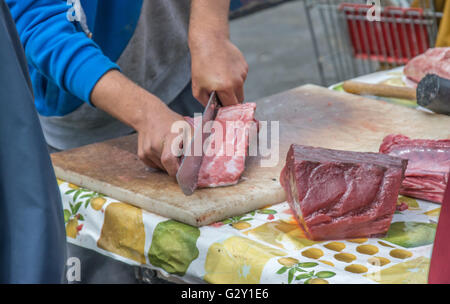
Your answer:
<point x="386" y="40"/>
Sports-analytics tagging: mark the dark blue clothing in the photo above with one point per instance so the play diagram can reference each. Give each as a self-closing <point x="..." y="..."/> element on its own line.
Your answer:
<point x="32" y="233"/>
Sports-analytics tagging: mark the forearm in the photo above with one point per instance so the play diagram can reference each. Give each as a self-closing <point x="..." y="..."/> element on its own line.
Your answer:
<point x="208" y="18"/>
<point x="125" y="100"/>
<point x="146" y="113"/>
<point x="217" y="64"/>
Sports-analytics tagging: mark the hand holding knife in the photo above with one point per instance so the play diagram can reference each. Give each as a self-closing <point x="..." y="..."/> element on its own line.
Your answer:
<point x="187" y="175"/>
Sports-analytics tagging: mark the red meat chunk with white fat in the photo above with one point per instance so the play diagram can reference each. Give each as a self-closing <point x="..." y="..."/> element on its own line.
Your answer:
<point x="224" y="157"/>
<point x="434" y="61"/>
<point x="341" y="194"/>
<point x="428" y="169"/>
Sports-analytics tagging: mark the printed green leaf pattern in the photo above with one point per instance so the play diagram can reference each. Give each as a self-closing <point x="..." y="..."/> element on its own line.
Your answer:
<point x="325" y="274"/>
<point x="237" y="221"/>
<point x="267" y="211"/>
<point x="67" y="215"/>
<point x="282" y="270"/>
<point x="297" y="273"/>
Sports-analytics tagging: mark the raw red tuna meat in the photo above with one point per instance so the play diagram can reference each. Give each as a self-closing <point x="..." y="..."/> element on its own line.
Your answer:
<point x="219" y="166"/>
<point x="341" y="194"/>
<point x="428" y="168"/>
<point x="433" y="61"/>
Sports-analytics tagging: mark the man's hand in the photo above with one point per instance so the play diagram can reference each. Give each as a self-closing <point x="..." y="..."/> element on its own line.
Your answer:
<point x="148" y="115"/>
<point x="155" y="140"/>
<point x="217" y="64"/>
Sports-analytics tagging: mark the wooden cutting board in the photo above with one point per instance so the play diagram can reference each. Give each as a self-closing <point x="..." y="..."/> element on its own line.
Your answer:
<point x="308" y="115"/>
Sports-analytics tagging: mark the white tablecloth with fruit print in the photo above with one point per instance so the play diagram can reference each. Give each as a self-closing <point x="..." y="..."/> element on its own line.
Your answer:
<point x="265" y="246"/>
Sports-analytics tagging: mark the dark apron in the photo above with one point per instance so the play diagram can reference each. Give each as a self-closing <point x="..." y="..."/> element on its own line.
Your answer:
<point x="32" y="233"/>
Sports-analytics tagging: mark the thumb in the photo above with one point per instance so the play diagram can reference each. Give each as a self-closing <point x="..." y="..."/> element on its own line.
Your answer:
<point x="228" y="98"/>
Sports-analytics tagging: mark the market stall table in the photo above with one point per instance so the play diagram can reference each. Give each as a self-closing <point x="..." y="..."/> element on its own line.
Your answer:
<point x="261" y="246"/>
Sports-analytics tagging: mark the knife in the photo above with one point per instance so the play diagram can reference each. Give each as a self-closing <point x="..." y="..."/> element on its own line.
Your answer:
<point x="187" y="175"/>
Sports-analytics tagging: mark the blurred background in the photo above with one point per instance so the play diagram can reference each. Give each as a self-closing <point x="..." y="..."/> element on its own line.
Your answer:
<point x="292" y="42"/>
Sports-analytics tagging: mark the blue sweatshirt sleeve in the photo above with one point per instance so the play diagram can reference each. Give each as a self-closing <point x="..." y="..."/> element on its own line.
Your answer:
<point x="56" y="48"/>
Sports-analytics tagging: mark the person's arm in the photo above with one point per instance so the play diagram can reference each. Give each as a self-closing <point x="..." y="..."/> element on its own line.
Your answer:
<point x="76" y="64"/>
<point x="217" y="64"/>
<point x="146" y="113"/>
<point x="54" y="47"/>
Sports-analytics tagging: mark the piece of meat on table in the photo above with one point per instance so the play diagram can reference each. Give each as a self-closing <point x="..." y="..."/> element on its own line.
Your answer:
<point x="224" y="161"/>
<point x="434" y="61"/>
<point x="428" y="168"/>
<point x="341" y="194"/>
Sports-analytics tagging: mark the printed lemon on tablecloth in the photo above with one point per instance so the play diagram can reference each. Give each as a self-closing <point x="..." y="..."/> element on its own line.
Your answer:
<point x="356" y="268"/>
<point x="345" y="257"/>
<point x="313" y="253"/>
<point x="335" y="246"/>
<point x="433" y="213"/>
<point x="71" y="228"/>
<point x="173" y="246"/>
<point x="123" y="232"/>
<point x="97" y="203"/>
<point x="414" y="271"/>
<point x="367" y="249"/>
<point x="378" y="261"/>
<point x="411" y="234"/>
<point x="283" y="234"/>
<point x="358" y="241"/>
<point x="237" y="260"/>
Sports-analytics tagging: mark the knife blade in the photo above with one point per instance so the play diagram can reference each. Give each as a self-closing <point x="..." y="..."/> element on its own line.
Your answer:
<point x="187" y="175"/>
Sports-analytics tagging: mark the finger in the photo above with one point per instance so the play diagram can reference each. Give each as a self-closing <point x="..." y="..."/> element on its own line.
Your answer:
<point x="150" y="164"/>
<point x="152" y="155"/>
<point x="201" y="95"/>
<point x="246" y="72"/>
<point x="151" y="161"/>
<point x="240" y="94"/>
<point x="142" y="156"/>
<point x="204" y="98"/>
<point x="170" y="162"/>
<point x="228" y="98"/>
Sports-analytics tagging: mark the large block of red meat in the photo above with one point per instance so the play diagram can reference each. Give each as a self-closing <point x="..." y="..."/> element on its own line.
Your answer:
<point x="434" y="61"/>
<point x="428" y="169"/>
<point x="341" y="194"/>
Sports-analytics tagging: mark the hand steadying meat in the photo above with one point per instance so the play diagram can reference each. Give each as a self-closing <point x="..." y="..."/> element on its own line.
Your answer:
<point x="217" y="64"/>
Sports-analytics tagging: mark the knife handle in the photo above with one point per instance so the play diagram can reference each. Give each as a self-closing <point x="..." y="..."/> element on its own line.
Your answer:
<point x="381" y="90"/>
